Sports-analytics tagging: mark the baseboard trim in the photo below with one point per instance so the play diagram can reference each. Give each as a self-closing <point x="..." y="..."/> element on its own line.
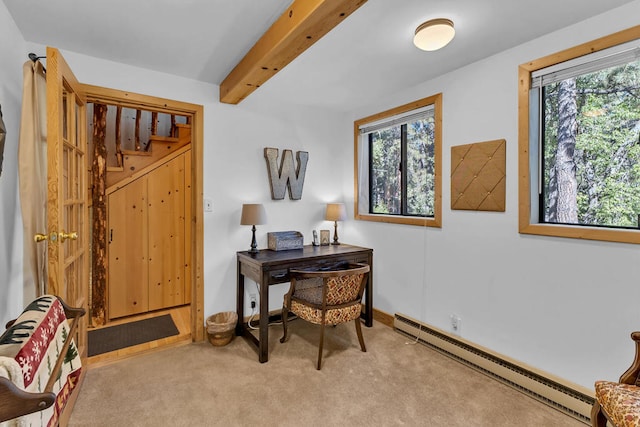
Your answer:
<point x="383" y="317"/>
<point x="571" y="399"/>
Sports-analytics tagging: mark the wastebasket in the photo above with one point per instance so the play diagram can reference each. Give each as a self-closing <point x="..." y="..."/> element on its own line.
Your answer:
<point x="221" y="327"/>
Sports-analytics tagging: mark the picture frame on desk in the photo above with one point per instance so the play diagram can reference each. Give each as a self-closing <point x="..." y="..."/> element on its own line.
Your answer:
<point x="325" y="238"/>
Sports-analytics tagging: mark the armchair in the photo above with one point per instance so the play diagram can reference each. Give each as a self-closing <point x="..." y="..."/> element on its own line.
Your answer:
<point x="326" y="298"/>
<point x="619" y="403"/>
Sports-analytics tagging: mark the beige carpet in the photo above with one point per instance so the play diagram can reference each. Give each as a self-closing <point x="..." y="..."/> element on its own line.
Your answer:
<point x="393" y="383"/>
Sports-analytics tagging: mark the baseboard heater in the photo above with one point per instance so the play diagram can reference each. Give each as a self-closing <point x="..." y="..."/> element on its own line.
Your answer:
<point x="569" y="398"/>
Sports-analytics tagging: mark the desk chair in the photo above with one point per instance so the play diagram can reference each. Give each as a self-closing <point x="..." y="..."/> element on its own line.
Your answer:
<point x="619" y="403"/>
<point x="326" y="298"/>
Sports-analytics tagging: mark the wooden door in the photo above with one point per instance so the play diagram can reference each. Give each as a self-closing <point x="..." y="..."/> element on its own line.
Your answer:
<point x="67" y="194"/>
<point x="128" y="250"/>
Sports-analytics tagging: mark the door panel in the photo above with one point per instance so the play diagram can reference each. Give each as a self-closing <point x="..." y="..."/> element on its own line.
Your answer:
<point x="187" y="227"/>
<point x="67" y="193"/>
<point x="166" y="200"/>
<point x="128" y="253"/>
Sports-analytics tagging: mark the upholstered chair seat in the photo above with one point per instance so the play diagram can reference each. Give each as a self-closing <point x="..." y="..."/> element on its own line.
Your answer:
<point x="620" y="402"/>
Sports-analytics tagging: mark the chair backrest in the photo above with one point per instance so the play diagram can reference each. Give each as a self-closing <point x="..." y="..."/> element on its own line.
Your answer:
<point x="341" y="286"/>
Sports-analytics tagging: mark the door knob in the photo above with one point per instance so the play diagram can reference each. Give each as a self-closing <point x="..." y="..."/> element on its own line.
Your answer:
<point x="39" y="237"/>
<point x="64" y="236"/>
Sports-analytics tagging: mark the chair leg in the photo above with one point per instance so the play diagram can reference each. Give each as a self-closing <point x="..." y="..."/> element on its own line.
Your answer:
<point x="285" y="314"/>
<point x="597" y="417"/>
<point x="360" y="337"/>
<point x="320" y="346"/>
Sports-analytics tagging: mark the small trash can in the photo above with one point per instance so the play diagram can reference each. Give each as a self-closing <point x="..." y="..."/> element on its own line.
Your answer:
<point x="221" y="327"/>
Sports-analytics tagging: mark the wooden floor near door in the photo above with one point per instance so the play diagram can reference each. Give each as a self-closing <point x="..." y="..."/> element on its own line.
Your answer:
<point x="181" y="317"/>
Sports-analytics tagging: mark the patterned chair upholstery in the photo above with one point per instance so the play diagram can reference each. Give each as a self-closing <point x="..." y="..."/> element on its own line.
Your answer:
<point x="619" y="403"/>
<point x="326" y="297"/>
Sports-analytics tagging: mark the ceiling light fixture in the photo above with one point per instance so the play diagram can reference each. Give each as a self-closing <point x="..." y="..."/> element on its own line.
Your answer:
<point x="434" y="34"/>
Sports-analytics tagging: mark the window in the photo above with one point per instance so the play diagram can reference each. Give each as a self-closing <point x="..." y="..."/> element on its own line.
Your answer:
<point x="398" y="164"/>
<point x="580" y="141"/>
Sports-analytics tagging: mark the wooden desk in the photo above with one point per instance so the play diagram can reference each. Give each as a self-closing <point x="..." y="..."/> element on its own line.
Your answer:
<point x="272" y="267"/>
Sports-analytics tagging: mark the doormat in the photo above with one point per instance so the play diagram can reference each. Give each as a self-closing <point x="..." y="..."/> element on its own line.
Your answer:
<point x="112" y="338"/>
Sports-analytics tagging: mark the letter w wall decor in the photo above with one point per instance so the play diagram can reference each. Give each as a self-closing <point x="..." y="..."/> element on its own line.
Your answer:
<point x="287" y="175"/>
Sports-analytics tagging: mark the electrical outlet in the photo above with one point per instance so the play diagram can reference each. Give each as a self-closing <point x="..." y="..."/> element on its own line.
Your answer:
<point x="252" y="298"/>
<point x="456" y="324"/>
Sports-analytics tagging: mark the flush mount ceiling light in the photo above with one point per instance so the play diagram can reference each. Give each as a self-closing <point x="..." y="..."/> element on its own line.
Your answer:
<point x="434" y="34"/>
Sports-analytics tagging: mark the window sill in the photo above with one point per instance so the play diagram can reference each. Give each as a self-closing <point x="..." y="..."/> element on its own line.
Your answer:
<point x="581" y="232"/>
<point x="396" y="219"/>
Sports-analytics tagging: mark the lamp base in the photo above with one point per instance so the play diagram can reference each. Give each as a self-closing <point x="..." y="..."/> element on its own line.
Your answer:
<point x="335" y="233"/>
<point x="254" y="244"/>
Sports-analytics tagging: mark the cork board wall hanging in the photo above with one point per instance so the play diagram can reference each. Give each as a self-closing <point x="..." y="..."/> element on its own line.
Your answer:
<point x="478" y="176"/>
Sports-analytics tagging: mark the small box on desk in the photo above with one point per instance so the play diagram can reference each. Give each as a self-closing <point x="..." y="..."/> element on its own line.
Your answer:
<point x="284" y="240"/>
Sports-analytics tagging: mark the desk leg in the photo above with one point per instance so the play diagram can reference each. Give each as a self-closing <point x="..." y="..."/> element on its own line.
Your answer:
<point x="263" y="346"/>
<point x="240" y="302"/>
<point x="368" y="320"/>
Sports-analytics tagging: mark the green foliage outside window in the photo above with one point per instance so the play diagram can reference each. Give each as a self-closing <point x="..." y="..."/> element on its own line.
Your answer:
<point x="402" y="179"/>
<point x="591" y="148"/>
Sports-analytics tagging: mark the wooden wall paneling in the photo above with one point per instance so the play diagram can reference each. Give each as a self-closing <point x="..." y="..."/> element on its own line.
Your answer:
<point x="187" y="228"/>
<point x="128" y="250"/>
<point x="166" y="234"/>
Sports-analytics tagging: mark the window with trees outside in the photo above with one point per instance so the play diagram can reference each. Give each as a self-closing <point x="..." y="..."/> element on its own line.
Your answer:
<point x="580" y="141"/>
<point x="398" y="164"/>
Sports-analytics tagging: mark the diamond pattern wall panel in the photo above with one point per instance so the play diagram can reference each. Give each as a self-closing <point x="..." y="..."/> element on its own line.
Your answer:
<point x="478" y="176"/>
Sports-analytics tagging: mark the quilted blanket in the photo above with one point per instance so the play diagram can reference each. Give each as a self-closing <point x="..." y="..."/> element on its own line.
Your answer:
<point x="29" y="350"/>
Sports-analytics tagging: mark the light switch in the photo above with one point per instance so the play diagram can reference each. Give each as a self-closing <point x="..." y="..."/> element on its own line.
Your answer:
<point x="208" y="205"/>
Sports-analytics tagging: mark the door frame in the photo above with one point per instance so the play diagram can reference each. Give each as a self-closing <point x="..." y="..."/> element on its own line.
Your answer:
<point x="132" y="100"/>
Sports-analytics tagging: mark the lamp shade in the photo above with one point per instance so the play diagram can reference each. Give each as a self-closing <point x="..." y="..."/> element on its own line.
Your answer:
<point x="335" y="212"/>
<point x="434" y="34"/>
<point x="253" y="214"/>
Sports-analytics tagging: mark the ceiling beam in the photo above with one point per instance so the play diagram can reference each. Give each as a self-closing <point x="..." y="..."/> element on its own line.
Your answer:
<point x="300" y="26"/>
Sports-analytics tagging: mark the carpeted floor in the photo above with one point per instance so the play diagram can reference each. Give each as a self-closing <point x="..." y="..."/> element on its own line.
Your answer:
<point x="393" y="383"/>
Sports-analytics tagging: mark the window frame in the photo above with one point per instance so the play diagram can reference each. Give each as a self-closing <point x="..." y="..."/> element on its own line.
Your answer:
<point x="527" y="145"/>
<point x="436" y="220"/>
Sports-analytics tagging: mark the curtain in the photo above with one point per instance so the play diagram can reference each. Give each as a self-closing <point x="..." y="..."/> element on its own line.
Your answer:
<point x="3" y="133"/>
<point x="32" y="173"/>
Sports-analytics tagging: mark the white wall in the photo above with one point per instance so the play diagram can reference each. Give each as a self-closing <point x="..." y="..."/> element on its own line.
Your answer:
<point x="557" y="304"/>
<point x="13" y="53"/>
<point x="553" y="303"/>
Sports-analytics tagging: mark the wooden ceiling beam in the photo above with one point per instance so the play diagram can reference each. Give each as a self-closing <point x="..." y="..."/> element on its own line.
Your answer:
<point x="299" y="27"/>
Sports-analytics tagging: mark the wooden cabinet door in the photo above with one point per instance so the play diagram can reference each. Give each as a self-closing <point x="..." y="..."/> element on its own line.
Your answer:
<point x="128" y="250"/>
<point x="166" y="213"/>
